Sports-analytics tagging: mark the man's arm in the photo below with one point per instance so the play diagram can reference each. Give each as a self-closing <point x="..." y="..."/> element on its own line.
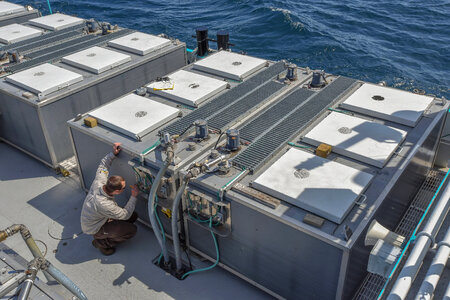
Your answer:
<point x="113" y="211"/>
<point x="106" y="162"/>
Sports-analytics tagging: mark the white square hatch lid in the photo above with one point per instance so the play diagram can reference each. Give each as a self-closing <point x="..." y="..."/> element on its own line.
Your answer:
<point x="7" y="8"/>
<point x="189" y="88"/>
<point x="16" y="32"/>
<point x="388" y="104"/>
<point x="56" y="21"/>
<point x="139" y="43"/>
<point x="366" y="141"/>
<point x="230" y="65"/>
<point x="96" y="59"/>
<point x="318" y="185"/>
<point x="134" y="115"/>
<point x="44" y="79"/>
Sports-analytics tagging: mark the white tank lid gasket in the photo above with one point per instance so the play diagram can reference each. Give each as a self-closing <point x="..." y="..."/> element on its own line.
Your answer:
<point x="56" y="21"/>
<point x="7" y="8"/>
<point x="16" y="32"/>
<point x="363" y="140"/>
<point x="44" y="79"/>
<point x="388" y="104"/>
<point x="189" y="88"/>
<point x="96" y="59"/>
<point x="230" y="65"/>
<point x="139" y="43"/>
<point x="323" y="187"/>
<point x="134" y="116"/>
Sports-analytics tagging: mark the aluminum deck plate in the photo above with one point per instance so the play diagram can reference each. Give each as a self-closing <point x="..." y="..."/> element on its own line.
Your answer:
<point x="139" y="43"/>
<point x="96" y="59"/>
<point x="365" y="141"/>
<point x="134" y="115"/>
<point x="388" y="104"/>
<point x="16" y="32"/>
<point x="7" y="8"/>
<point x="318" y="185"/>
<point x="190" y="88"/>
<point x="230" y="65"/>
<point x="56" y="21"/>
<point x="44" y="79"/>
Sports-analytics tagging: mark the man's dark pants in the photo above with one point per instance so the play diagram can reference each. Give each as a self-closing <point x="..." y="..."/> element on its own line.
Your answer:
<point x="116" y="232"/>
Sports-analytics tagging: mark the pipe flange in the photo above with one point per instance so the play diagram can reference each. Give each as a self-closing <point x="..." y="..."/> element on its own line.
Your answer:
<point x="425" y="234"/>
<point x="443" y="243"/>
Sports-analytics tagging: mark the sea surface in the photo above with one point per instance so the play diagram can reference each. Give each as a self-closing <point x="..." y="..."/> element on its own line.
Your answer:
<point x="405" y="43"/>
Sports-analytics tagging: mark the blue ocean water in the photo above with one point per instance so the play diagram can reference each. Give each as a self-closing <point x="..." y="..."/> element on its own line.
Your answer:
<point x="406" y="43"/>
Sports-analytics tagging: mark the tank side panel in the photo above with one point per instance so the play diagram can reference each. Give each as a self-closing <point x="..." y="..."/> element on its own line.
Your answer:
<point x="19" y="125"/>
<point x="277" y="256"/>
<point x="56" y="114"/>
<point x="25" y="16"/>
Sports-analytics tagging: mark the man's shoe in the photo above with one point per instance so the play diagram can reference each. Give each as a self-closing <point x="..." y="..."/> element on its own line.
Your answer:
<point x="104" y="251"/>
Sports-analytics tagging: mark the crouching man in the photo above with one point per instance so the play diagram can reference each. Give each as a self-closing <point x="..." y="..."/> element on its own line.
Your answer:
<point x="101" y="217"/>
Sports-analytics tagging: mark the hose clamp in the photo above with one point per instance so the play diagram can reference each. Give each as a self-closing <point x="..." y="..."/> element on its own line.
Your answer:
<point x="443" y="243"/>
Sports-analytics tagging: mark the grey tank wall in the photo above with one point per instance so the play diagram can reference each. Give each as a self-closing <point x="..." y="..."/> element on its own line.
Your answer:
<point x="20" y="125"/>
<point x="19" y="18"/>
<point x="393" y="207"/>
<point x="89" y="153"/>
<point x="287" y="261"/>
<point x="55" y="115"/>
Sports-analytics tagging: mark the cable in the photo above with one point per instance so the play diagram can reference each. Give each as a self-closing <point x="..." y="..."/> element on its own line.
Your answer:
<point x="45" y="245"/>
<point x="217" y="255"/>
<point x="49" y="7"/>
<point x="63" y="239"/>
<point x="298" y="146"/>
<point x="215" y="146"/>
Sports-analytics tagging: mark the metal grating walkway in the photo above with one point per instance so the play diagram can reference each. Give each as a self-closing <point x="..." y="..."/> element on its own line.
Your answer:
<point x="69" y="50"/>
<point x="373" y="284"/>
<point x="275" y="113"/>
<point x="44" y="39"/>
<point x="271" y="142"/>
<point x="228" y="99"/>
<point x="55" y="48"/>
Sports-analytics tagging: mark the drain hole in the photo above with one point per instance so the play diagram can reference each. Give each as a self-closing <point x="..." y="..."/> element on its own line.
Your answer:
<point x="91" y="54"/>
<point x="60" y="20"/>
<point x="140" y="114"/>
<point x="135" y="39"/>
<point x="194" y="85"/>
<point x="301" y="174"/>
<point x="378" y="98"/>
<point x="39" y="74"/>
<point x="236" y="63"/>
<point x="345" y="130"/>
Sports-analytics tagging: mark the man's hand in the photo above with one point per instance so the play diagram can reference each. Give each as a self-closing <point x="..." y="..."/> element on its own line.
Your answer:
<point x="134" y="190"/>
<point x="116" y="148"/>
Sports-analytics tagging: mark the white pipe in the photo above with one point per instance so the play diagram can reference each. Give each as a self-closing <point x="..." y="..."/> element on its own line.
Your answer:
<point x="422" y="244"/>
<point x="435" y="270"/>
<point x="447" y="293"/>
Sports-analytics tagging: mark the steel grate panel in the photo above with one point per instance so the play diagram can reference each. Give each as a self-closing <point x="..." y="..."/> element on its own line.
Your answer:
<point x="52" y="40"/>
<point x="55" y="48"/>
<point x="220" y="121"/>
<point x="373" y="284"/>
<point x="260" y="124"/>
<point x="270" y="143"/>
<point x="40" y="40"/>
<point x="67" y="51"/>
<point x="219" y="103"/>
